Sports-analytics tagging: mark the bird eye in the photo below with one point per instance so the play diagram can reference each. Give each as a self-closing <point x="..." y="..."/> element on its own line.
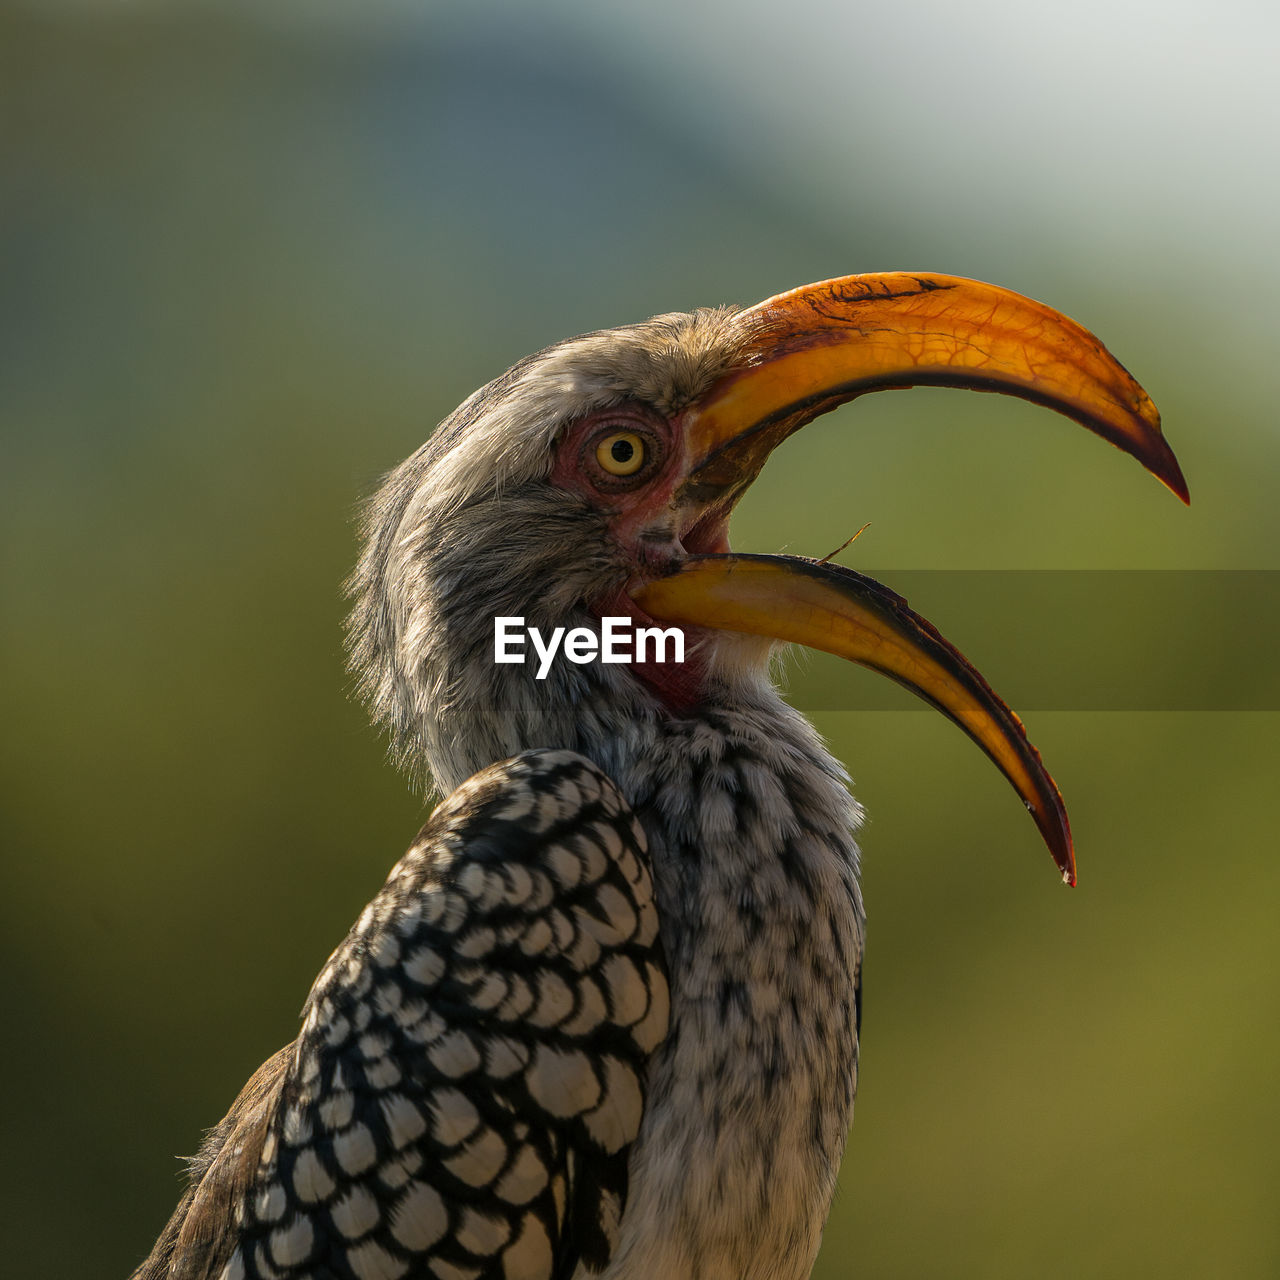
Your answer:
<point x="621" y="453"/>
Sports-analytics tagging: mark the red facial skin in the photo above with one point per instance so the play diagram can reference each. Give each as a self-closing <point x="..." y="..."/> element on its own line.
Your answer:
<point x="654" y="532"/>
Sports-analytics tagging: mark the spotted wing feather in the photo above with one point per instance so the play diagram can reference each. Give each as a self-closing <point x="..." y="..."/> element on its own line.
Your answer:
<point x="471" y="1068"/>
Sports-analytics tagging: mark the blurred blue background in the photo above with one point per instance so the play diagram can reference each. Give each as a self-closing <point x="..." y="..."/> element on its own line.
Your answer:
<point x="250" y="254"/>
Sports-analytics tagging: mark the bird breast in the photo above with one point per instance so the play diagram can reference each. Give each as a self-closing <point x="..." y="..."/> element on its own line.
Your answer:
<point x="750" y="828"/>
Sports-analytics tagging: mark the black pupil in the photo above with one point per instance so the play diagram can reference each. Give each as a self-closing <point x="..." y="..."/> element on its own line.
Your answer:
<point x="622" y="451"/>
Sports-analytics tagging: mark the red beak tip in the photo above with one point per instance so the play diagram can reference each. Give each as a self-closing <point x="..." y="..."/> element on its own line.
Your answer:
<point x="1167" y="470"/>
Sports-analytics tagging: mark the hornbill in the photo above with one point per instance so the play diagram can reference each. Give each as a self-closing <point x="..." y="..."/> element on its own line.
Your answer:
<point x="603" y="1016"/>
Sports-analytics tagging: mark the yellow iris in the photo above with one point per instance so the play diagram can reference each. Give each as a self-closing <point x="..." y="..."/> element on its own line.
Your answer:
<point x="621" y="454"/>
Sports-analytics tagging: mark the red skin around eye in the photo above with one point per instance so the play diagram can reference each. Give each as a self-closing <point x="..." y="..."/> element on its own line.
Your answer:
<point x="654" y="534"/>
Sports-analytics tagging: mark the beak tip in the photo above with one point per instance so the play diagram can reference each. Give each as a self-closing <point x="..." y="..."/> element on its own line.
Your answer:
<point x="1176" y="482"/>
<point x="1164" y="466"/>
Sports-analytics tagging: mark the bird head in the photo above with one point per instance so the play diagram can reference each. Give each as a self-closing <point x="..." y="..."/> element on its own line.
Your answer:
<point x="597" y="478"/>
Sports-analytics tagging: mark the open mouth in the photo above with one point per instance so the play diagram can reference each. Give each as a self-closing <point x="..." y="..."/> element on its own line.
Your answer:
<point x="817" y="347"/>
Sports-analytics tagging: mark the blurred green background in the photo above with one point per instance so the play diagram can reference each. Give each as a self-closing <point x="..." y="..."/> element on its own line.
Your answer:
<point x="250" y="254"/>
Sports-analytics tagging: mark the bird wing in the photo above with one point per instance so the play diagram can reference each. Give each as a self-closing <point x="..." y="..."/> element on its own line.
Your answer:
<point x="471" y="1068"/>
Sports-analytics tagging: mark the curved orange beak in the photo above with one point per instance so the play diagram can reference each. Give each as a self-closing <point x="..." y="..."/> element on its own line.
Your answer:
<point x="818" y="346"/>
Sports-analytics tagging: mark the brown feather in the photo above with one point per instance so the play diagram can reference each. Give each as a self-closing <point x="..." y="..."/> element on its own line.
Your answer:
<point x="199" y="1238"/>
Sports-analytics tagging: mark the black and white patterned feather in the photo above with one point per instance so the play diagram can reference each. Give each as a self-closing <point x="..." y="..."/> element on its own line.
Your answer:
<point x="471" y="1070"/>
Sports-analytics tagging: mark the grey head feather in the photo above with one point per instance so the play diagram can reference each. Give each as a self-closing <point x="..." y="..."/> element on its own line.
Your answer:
<point x="468" y="528"/>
